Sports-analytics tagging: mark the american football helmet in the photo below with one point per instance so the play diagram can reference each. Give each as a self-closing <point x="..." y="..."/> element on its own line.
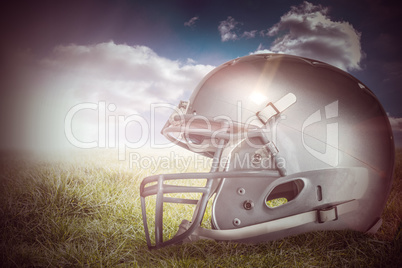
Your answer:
<point x="297" y="145"/>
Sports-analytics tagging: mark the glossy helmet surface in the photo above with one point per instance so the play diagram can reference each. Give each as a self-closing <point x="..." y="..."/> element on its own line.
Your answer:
<point x="278" y="126"/>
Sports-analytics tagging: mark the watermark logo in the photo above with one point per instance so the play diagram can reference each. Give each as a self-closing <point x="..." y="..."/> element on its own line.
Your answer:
<point x="186" y="163"/>
<point x="330" y="155"/>
<point x="198" y="132"/>
<point x="179" y="163"/>
<point x="111" y="130"/>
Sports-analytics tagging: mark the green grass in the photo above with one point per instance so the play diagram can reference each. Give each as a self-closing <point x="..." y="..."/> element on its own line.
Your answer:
<point x="84" y="211"/>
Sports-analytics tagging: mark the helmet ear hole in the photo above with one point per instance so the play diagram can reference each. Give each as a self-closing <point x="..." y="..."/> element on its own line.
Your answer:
<point x="284" y="193"/>
<point x="276" y="202"/>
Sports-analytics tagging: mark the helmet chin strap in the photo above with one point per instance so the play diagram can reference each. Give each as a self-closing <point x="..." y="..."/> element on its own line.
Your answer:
<point x="320" y="216"/>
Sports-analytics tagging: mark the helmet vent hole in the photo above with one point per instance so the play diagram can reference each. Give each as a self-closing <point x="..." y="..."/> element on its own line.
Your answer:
<point x="319" y="193"/>
<point x="284" y="193"/>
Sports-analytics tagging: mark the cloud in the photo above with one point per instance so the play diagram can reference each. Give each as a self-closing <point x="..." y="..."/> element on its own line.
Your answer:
<point x="227" y="29"/>
<point x="130" y="78"/>
<point x="396" y="125"/>
<point x="191" y="22"/>
<point x="250" y="34"/>
<point x="261" y="50"/>
<point x="307" y="30"/>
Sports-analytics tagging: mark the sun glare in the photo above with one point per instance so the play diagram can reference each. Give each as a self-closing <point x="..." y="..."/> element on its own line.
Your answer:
<point x="258" y="98"/>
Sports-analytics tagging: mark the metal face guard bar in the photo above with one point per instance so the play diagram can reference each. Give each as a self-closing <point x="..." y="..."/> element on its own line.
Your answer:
<point x="193" y="228"/>
<point x="159" y="189"/>
<point x="213" y="176"/>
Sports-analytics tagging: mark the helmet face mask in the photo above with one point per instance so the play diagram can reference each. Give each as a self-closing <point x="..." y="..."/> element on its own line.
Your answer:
<point x="278" y="128"/>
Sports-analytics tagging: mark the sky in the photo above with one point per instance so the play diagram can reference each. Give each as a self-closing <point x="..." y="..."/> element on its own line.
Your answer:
<point x="86" y="73"/>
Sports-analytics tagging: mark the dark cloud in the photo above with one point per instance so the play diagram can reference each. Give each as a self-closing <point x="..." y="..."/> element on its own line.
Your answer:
<point x="227" y="29"/>
<point x="191" y="22"/>
<point x="250" y="34"/>
<point x="230" y="30"/>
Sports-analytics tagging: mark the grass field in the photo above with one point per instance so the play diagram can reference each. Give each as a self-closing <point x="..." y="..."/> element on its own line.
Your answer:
<point x="84" y="211"/>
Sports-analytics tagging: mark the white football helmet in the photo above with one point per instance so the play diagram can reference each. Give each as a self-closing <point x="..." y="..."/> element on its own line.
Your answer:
<point x="278" y="126"/>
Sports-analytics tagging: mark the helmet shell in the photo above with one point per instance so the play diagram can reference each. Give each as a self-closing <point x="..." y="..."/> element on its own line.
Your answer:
<point x="336" y="136"/>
